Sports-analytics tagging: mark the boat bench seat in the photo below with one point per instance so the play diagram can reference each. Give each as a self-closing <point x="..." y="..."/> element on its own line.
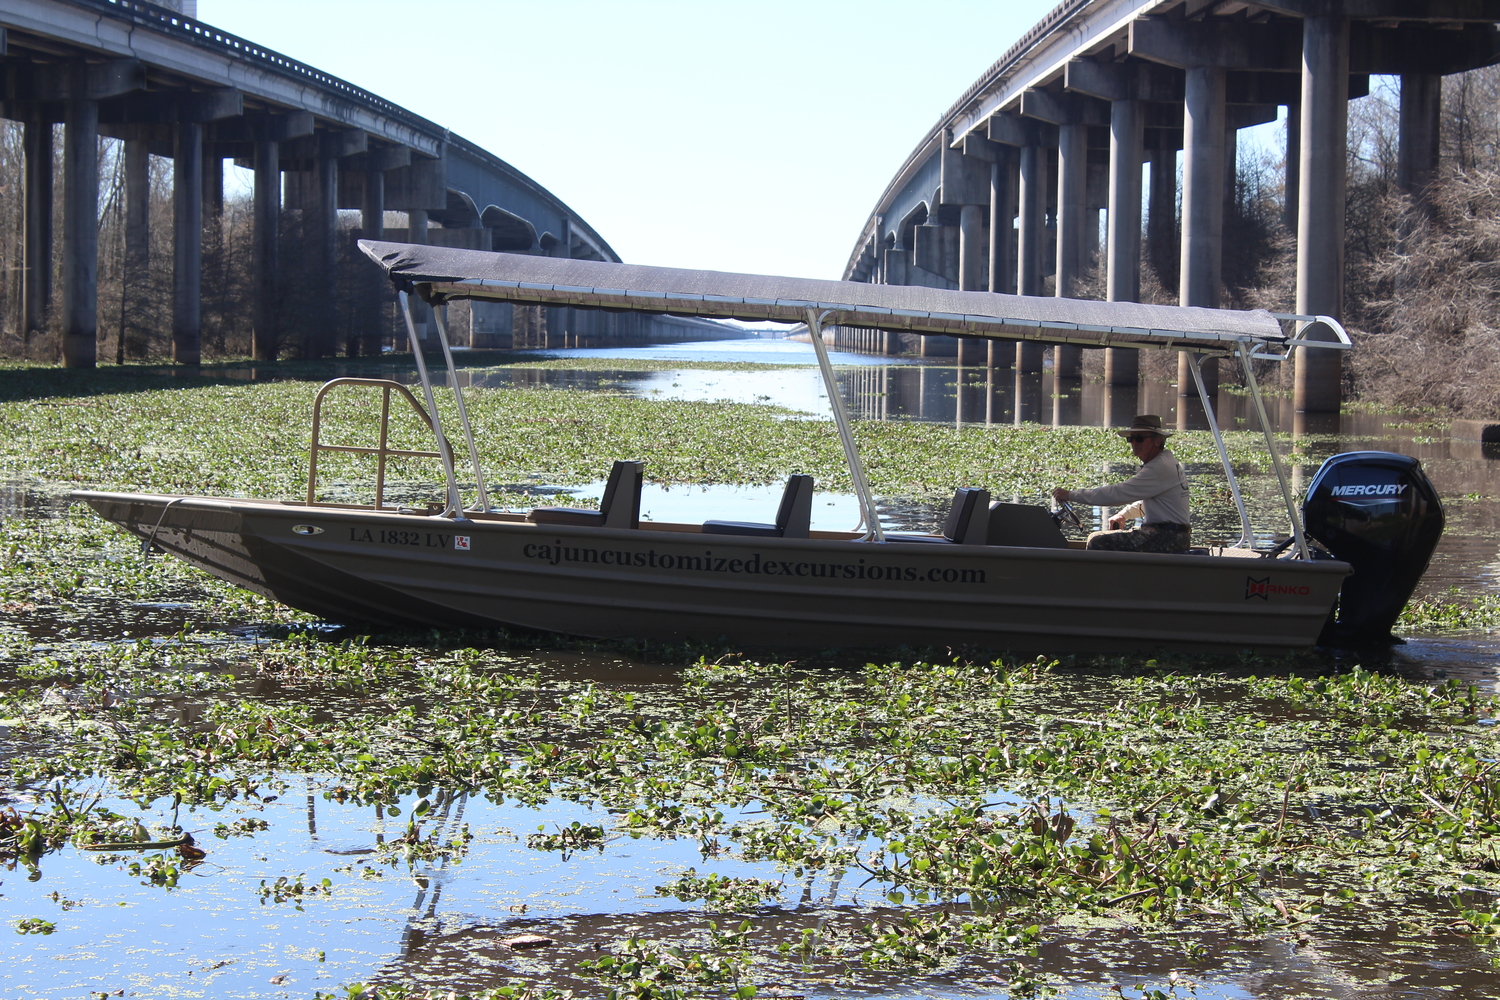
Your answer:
<point x="793" y="517"/>
<point x="620" y="507"/>
<point x="967" y="523"/>
<point x="1024" y="525"/>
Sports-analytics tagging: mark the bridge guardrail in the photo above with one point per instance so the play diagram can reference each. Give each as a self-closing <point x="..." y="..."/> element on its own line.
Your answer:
<point x="168" y="20"/>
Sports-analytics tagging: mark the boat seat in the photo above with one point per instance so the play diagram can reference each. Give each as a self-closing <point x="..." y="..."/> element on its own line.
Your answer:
<point x="1025" y="525"/>
<point x="620" y="507"/>
<point x="793" y="517"/>
<point x="967" y="523"/>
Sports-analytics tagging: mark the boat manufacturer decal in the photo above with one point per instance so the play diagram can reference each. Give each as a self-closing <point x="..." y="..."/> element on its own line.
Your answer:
<point x="1264" y="588"/>
<point x="306" y="529"/>
<point x="461" y="543"/>
<point x="1370" y="490"/>
<point x="755" y="565"/>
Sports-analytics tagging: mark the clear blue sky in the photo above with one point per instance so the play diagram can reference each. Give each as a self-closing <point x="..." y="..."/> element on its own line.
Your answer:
<point x="734" y="136"/>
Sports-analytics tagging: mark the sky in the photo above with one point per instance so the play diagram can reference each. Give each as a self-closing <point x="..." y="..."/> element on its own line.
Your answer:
<point x="709" y="134"/>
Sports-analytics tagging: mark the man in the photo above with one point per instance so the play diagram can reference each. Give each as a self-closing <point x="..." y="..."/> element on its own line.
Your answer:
<point x="1157" y="492"/>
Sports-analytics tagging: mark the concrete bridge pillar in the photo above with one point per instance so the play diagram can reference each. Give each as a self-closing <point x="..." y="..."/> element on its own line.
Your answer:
<point x="213" y="186"/>
<point x="1291" y="181"/>
<point x="1031" y="242"/>
<point x="1072" y="212"/>
<point x="1123" y="242"/>
<point x="324" y="336"/>
<point x="1202" y="204"/>
<point x="1003" y="221"/>
<point x="137" y="271"/>
<point x="187" y="243"/>
<point x="1421" y="112"/>
<point x="1161" y="213"/>
<point x="372" y="226"/>
<point x="80" y="264"/>
<point x="1320" y="214"/>
<point x="36" y="259"/>
<point x="971" y="251"/>
<point x="265" y="259"/>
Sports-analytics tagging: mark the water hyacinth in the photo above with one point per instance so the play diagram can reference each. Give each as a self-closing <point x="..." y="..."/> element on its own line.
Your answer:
<point x="894" y="825"/>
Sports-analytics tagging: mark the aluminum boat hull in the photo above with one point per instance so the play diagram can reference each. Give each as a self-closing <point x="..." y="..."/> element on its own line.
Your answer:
<point x="665" y="581"/>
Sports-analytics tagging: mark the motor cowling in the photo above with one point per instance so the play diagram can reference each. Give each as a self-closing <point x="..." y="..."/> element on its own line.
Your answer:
<point x="1378" y="512"/>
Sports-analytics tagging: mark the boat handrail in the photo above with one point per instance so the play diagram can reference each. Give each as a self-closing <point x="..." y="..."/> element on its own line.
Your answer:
<point x="868" y="515"/>
<point x="454" y="507"/>
<point x="382" y="450"/>
<point x="1247" y="536"/>
<point x="440" y="319"/>
<point x="1270" y="436"/>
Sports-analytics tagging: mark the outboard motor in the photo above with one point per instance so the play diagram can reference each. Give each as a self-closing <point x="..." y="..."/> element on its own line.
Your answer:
<point x="1378" y="512"/>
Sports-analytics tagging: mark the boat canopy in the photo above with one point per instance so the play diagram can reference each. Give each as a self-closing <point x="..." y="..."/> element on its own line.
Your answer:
<point x="441" y="274"/>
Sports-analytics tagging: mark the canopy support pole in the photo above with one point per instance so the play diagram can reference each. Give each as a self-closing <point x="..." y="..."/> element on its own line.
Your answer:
<point x="1247" y="537"/>
<point x="455" y="504"/>
<point x="1265" y="426"/>
<point x="439" y="314"/>
<point x="873" y="531"/>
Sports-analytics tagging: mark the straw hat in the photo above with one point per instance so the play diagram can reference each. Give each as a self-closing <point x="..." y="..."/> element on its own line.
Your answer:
<point x="1150" y="423"/>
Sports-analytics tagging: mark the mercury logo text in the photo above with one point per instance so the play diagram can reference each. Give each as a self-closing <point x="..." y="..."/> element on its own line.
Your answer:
<point x="1370" y="490"/>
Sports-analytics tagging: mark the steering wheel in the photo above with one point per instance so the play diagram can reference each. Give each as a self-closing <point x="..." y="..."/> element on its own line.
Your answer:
<point x="1065" y="512"/>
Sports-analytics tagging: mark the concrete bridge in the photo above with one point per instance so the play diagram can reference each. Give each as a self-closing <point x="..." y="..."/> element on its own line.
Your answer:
<point x="170" y="86"/>
<point x="1009" y="183"/>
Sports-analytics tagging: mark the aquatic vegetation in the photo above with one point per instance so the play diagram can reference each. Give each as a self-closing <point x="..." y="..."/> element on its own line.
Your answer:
<point x="1247" y="802"/>
<point x="722" y="892"/>
<point x="980" y="809"/>
<point x="120" y="446"/>
<point x="1455" y="612"/>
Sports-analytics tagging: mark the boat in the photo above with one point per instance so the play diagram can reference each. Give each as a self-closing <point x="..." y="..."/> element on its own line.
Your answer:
<point x="998" y="576"/>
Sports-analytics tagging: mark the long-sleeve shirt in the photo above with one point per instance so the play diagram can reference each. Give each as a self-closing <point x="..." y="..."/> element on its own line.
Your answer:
<point x="1158" y="492"/>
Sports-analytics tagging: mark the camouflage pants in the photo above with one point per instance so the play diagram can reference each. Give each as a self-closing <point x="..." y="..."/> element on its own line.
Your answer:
<point x="1146" y="538"/>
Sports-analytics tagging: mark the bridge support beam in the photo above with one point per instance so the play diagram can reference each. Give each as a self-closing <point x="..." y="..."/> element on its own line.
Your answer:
<point x="36" y="288"/>
<point x="1003" y="221"/>
<point x="1421" y="112"/>
<point x="1320" y="210"/>
<point x="971" y="251"/>
<point x="1161" y="214"/>
<point x="187" y="244"/>
<point x="1031" y="242"/>
<point x="1072" y="212"/>
<point x="265" y="258"/>
<point x="372" y="225"/>
<point x="80" y="264"/>
<point x="213" y="186"/>
<point x="1123" y="243"/>
<point x="137" y="271"/>
<point x="1202" y="205"/>
<point x="1291" y="183"/>
<point x="324" y="340"/>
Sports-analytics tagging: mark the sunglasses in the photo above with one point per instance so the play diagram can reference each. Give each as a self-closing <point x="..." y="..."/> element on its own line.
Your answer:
<point x="1138" y="438"/>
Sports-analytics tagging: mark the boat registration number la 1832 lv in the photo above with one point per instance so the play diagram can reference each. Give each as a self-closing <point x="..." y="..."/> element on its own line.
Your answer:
<point x="423" y="539"/>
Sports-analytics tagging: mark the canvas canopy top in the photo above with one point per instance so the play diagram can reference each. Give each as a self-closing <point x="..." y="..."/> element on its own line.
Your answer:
<point x="441" y="274"/>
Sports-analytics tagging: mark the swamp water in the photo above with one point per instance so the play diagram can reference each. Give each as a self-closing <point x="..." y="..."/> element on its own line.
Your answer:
<point x="416" y="810"/>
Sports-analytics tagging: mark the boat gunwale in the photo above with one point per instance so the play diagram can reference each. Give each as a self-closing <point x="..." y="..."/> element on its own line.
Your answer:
<point x="680" y="529"/>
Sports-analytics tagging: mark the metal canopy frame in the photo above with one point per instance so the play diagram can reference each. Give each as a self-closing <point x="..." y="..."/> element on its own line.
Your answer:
<point x="816" y="314"/>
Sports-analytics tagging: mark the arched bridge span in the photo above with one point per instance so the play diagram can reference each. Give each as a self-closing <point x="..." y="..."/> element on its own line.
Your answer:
<point x="171" y="86"/>
<point x="1006" y="188"/>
